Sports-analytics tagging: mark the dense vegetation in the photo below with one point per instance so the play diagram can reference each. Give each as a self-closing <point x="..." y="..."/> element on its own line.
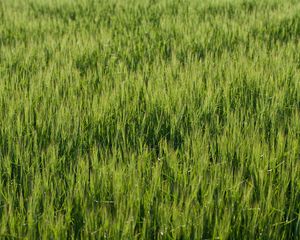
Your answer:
<point x="150" y="119"/>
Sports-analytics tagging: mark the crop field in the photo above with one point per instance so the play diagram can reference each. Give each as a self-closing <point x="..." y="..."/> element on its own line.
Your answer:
<point x="150" y="119"/>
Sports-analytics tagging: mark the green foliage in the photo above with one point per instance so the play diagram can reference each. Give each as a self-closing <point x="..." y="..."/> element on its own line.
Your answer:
<point x="164" y="119"/>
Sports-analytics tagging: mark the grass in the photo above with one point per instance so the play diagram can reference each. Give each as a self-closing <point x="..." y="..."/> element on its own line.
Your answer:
<point x="149" y="119"/>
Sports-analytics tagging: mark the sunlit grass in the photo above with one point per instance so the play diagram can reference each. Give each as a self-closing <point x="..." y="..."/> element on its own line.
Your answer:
<point x="152" y="119"/>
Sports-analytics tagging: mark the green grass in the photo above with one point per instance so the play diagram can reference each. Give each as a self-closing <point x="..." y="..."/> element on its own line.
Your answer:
<point x="149" y="119"/>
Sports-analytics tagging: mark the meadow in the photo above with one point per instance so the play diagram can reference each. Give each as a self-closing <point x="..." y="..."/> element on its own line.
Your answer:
<point x="149" y="119"/>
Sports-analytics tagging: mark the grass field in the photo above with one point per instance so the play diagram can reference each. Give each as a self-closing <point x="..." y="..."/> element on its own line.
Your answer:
<point x="149" y="119"/>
